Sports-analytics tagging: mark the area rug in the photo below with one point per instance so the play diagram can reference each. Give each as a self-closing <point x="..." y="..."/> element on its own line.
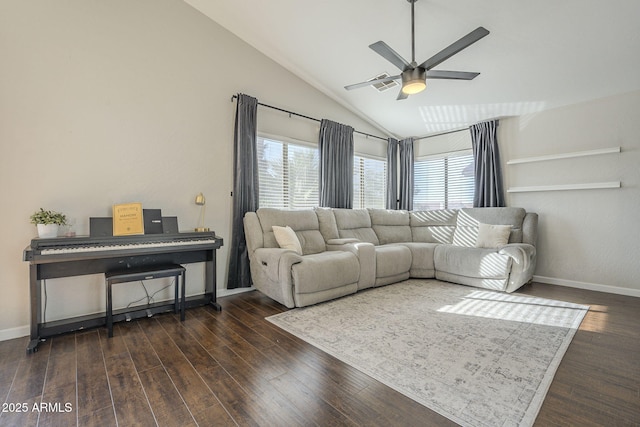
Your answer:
<point x="477" y="357"/>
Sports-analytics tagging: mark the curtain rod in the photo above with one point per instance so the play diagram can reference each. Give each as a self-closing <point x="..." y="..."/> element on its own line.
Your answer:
<point x="443" y="133"/>
<point x="309" y="118"/>
<point x="457" y="130"/>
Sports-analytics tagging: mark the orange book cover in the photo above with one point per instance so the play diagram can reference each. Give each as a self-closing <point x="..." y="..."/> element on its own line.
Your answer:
<point x="128" y="219"/>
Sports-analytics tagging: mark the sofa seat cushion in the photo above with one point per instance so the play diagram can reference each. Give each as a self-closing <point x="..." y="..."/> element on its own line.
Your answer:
<point x="472" y="262"/>
<point x="392" y="260"/>
<point x="421" y="259"/>
<point x="325" y="270"/>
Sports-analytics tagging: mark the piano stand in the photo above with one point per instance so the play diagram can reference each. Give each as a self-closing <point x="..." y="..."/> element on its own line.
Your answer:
<point x="135" y="253"/>
<point x="126" y="276"/>
<point x="32" y="347"/>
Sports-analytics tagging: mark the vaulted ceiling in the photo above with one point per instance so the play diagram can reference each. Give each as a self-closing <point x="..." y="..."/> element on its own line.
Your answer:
<point x="539" y="55"/>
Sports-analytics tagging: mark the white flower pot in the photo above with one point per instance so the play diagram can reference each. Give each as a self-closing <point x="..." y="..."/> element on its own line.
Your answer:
<point x="46" y="231"/>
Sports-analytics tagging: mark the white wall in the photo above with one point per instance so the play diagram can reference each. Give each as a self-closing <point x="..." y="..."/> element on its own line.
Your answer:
<point x="441" y="144"/>
<point x="121" y="101"/>
<point x="587" y="238"/>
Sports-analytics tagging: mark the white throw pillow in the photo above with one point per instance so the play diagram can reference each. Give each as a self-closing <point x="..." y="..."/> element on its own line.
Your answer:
<point x="287" y="239"/>
<point x="492" y="236"/>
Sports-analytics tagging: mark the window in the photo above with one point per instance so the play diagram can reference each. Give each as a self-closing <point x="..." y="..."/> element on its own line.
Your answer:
<point x="288" y="174"/>
<point x="444" y="182"/>
<point x="369" y="183"/>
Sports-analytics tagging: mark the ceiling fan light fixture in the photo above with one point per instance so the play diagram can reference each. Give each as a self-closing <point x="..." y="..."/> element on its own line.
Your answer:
<point x="414" y="76"/>
<point x="414" y="81"/>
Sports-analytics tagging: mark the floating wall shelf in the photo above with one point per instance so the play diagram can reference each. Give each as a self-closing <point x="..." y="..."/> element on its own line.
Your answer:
<point x="564" y="187"/>
<point x="565" y="155"/>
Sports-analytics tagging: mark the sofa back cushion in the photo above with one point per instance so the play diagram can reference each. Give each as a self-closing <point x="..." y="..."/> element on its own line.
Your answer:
<point x="390" y="226"/>
<point x="327" y="221"/>
<point x="304" y="222"/>
<point x="469" y="219"/>
<point x="437" y="226"/>
<point x="355" y="223"/>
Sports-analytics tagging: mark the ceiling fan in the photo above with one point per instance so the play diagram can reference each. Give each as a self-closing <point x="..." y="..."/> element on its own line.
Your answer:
<point x="414" y="76"/>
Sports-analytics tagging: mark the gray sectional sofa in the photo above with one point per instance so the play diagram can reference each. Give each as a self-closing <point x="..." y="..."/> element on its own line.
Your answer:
<point x="341" y="251"/>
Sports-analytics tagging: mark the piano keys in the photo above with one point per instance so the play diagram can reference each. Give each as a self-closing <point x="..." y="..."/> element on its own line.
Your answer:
<point x="76" y="256"/>
<point x="119" y="247"/>
<point x="63" y="245"/>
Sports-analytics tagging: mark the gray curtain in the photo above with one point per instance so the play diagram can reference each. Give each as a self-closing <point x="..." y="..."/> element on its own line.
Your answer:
<point x="406" y="174"/>
<point x="245" y="188"/>
<point x="489" y="191"/>
<point x="336" y="164"/>
<point x="392" y="174"/>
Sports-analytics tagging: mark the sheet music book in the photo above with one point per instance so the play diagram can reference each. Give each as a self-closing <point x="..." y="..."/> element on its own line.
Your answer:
<point x="128" y="219"/>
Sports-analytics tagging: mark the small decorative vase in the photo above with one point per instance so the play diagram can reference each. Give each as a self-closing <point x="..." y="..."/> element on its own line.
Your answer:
<point x="46" y="231"/>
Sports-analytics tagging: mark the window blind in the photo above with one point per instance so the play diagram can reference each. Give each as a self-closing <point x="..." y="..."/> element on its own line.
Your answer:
<point x="288" y="174"/>
<point x="369" y="182"/>
<point x="444" y="182"/>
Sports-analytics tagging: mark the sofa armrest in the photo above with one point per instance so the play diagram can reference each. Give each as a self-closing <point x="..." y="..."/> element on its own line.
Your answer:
<point x="523" y="266"/>
<point x="366" y="254"/>
<point x="530" y="228"/>
<point x="522" y="254"/>
<point x="276" y="260"/>
<point x="252" y="231"/>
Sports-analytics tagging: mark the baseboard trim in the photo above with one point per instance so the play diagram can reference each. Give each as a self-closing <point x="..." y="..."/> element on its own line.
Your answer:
<point x="11" y="333"/>
<point x="228" y="292"/>
<point x="22" y="331"/>
<point x="588" y="286"/>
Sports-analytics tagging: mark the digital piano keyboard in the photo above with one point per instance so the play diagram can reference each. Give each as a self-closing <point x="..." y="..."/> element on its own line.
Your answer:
<point x="65" y="247"/>
<point x="76" y="256"/>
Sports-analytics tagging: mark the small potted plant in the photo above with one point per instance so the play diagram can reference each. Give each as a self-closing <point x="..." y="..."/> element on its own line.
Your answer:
<point x="48" y="222"/>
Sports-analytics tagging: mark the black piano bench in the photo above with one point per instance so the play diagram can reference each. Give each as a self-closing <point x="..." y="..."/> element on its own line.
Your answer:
<point x="146" y="273"/>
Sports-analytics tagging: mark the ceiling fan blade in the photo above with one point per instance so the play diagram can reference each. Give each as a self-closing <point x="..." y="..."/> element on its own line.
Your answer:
<point x="371" y="82"/>
<point x="383" y="49"/>
<point x="454" y="75"/>
<point x="454" y="48"/>
<point x="402" y="96"/>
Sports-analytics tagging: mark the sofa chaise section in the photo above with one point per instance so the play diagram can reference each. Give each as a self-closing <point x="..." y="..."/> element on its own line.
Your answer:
<point x="504" y="268"/>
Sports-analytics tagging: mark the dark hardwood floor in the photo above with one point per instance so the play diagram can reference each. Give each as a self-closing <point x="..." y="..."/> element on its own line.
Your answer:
<point x="235" y="368"/>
